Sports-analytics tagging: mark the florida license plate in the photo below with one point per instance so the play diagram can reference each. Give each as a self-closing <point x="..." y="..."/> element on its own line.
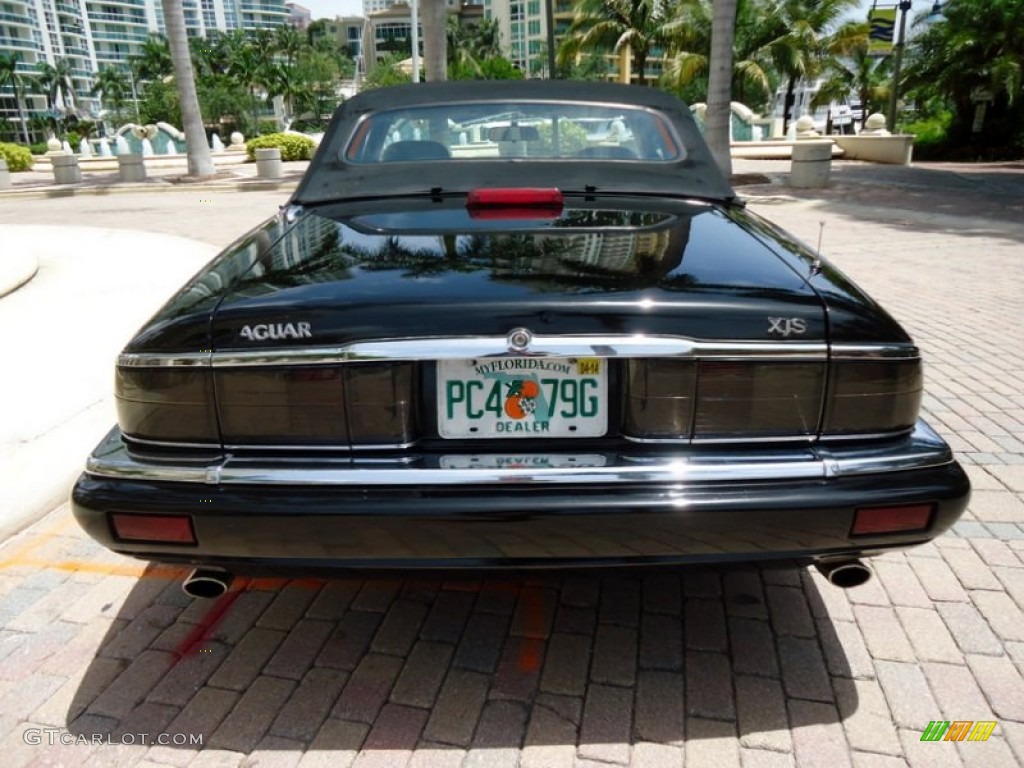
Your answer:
<point x="522" y="397"/>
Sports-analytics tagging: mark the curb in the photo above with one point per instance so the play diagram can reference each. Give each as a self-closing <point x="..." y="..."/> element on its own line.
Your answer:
<point x="16" y="270"/>
<point x="53" y="191"/>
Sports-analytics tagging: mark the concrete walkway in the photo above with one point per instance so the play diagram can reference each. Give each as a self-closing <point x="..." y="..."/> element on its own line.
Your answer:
<point x="62" y="333"/>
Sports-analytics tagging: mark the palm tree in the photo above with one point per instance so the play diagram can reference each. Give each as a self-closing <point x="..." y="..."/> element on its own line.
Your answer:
<point x="433" y="14"/>
<point x="859" y="72"/>
<point x="289" y="43"/>
<point x="11" y="77"/>
<point x="804" y="40"/>
<point x="979" y="49"/>
<point x="112" y="86"/>
<point x="250" y="69"/>
<point x="55" y="81"/>
<point x="615" y="26"/>
<point x="200" y="162"/>
<point x="687" y="60"/>
<point x="470" y="45"/>
<point x="720" y="84"/>
<point x="153" y="61"/>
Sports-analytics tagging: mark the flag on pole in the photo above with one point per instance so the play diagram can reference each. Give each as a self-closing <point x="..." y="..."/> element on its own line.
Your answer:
<point x="883" y="24"/>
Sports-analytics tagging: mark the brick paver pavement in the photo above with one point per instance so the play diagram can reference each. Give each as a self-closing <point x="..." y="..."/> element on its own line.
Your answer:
<point x="716" y="667"/>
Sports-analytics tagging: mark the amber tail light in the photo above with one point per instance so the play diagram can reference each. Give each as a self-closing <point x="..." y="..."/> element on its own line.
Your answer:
<point x="162" y="404"/>
<point x="870" y="397"/>
<point x="357" y="404"/>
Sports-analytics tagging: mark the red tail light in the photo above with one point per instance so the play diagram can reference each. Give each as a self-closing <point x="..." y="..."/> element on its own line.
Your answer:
<point x="515" y="203"/>
<point x="895" y="519"/>
<point x="169" y="529"/>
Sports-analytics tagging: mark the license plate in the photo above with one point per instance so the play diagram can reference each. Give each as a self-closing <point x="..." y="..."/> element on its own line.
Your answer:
<point x="522" y="397"/>
<point x="522" y="461"/>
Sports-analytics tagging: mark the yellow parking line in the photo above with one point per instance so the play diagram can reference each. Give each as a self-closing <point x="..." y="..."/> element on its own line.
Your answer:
<point x="35" y="542"/>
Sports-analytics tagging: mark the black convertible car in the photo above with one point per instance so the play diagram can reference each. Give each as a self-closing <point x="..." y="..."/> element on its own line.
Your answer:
<point x="483" y="334"/>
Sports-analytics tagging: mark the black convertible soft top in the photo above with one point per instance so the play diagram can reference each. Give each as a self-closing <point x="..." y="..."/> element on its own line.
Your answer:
<point x="331" y="178"/>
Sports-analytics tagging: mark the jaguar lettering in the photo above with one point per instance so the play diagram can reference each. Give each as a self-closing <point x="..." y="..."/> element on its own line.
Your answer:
<point x="276" y="331"/>
<point x="784" y="326"/>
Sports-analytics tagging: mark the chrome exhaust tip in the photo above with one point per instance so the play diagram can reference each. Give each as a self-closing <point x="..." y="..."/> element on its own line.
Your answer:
<point x="206" y="583"/>
<point x="844" y="573"/>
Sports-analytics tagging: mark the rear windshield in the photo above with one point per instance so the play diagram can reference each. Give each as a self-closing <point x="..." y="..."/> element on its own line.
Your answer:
<point x="535" y="130"/>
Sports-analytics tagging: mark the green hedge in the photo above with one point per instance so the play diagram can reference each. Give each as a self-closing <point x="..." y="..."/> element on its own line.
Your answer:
<point x="18" y="158"/>
<point x="292" y="145"/>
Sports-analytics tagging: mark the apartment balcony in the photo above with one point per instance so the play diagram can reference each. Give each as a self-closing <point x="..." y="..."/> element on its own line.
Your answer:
<point x="19" y="44"/>
<point x="136" y="20"/>
<point x="101" y="34"/>
<point x="138" y="5"/>
<point x="17" y="18"/>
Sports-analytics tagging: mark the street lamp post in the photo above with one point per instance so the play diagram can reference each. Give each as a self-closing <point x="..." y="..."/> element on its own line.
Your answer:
<point x="894" y="89"/>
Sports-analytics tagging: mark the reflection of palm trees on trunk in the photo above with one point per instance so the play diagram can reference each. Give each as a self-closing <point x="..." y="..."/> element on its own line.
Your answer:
<point x="556" y="261"/>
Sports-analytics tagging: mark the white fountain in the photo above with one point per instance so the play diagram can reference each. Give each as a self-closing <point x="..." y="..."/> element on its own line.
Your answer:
<point x="216" y="144"/>
<point x="85" y="148"/>
<point x="121" y="145"/>
<point x="104" y="147"/>
<point x="147" y="148"/>
<point x="169" y="148"/>
<point x="66" y="147"/>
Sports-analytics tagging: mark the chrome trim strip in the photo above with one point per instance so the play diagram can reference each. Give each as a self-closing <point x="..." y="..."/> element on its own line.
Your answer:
<point x="826" y="438"/>
<point x="145" y="442"/>
<point x="844" y="351"/>
<point x="738" y="440"/>
<point x="919" y="450"/>
<point x="430" y="348"/>
<point x="540" y="346"/>
<point x="168" y="360"/>
<point x="922" y="449"/>
<point x="333" y="448"/>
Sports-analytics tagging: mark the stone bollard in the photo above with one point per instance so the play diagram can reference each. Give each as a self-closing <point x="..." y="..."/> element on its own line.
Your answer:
<point x="812" y="163"/>
<point x="131" y="168"/>
<point x="268" y="163"/>
<point x="65" y="169"/>
<point x="5" y="175"/>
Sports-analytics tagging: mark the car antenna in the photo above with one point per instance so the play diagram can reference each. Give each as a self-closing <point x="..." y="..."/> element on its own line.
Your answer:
<point x="817" y="263"/>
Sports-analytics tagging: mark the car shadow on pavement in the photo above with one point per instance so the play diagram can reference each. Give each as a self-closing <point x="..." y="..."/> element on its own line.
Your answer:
<point x="592" y="663"/>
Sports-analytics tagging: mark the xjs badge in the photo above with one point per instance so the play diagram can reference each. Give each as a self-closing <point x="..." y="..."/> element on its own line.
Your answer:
<point x="784" y="326"/>
<point x="276" y="331"/>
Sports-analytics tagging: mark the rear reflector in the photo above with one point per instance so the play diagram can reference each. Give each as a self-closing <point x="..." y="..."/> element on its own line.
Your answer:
<point x="515" y="203"/>
<point x="898" y="519"/>
<point x="169" y="529"/>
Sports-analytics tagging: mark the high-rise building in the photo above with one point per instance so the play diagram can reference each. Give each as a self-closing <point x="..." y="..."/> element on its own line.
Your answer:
<point x="92" y="34"/>
<point x="524" y="29"/>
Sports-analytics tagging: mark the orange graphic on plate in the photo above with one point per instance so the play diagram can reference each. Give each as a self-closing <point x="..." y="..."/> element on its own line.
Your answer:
<point x="521" y="398"/>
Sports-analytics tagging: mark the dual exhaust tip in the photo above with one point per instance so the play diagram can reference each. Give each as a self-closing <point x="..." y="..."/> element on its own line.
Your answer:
<point x="844" y="573"/>
<point x="211" y="583"/>
<point x="207" y="583"/>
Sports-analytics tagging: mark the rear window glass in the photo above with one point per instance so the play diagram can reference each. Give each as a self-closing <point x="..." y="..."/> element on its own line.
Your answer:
<point x="495" y="130"/>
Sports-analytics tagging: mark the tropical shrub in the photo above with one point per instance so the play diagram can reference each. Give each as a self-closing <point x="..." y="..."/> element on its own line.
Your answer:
<point x="292" y="145"/>
<point x="18" y="158"/>
<point x="930" y="135"/>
